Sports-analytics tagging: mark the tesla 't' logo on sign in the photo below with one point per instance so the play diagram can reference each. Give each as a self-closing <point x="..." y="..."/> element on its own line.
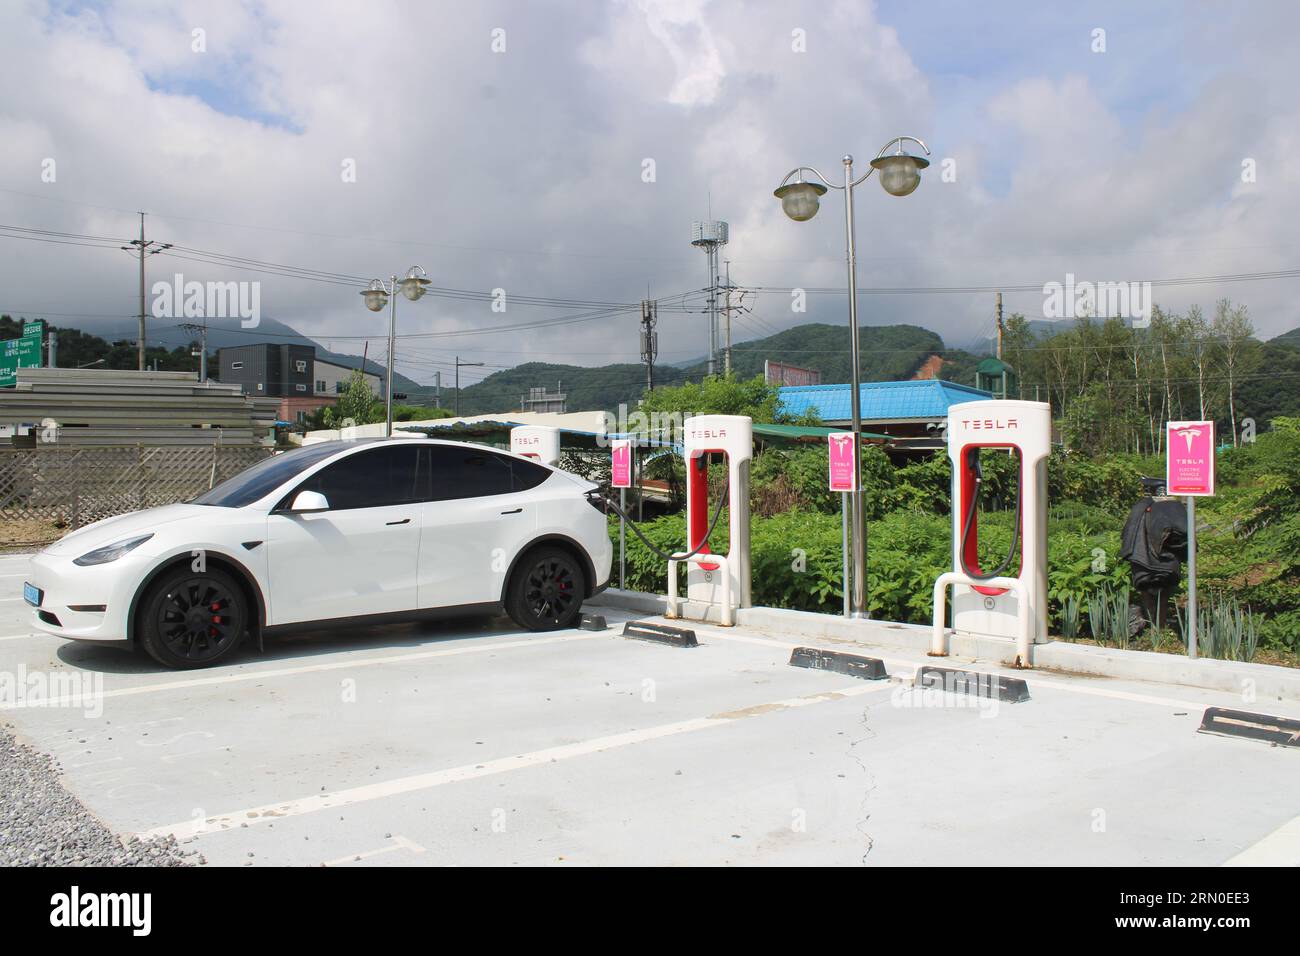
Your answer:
<point x="1188" y="435"/>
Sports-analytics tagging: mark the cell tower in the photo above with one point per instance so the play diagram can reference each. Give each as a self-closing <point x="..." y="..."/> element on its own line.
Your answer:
<point x="711" y="236"/>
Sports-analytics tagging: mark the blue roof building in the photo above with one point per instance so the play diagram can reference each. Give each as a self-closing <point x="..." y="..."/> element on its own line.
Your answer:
<point x="900" y="409"/>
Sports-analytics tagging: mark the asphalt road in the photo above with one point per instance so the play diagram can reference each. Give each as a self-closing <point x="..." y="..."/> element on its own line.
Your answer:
<point x="470" y="742"/>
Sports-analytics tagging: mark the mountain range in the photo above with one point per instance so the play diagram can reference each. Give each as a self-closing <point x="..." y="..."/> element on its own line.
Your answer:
<point x="887" y="353"/>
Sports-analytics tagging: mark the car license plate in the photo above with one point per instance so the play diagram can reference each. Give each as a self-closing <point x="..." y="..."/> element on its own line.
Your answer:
<point x="32" y="594"/>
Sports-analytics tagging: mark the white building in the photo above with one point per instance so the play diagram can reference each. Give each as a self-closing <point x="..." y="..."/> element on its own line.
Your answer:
<point x="331" y="378"/>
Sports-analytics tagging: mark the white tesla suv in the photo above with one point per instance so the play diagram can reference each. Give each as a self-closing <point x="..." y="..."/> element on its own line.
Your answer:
<point x="355" y="532"/>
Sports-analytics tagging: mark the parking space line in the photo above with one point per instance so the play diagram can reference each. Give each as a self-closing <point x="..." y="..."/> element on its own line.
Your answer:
<point x="347" y="664"/>
<point x="16" y="637"/>
<point x="399" y="843"/>
<point x="1279" y="848"/>
<point x="437" y="778"/>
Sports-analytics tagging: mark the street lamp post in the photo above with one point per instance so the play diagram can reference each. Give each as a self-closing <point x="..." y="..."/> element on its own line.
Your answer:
<point x="900" y="173"/>
<point x="377" y="295"/>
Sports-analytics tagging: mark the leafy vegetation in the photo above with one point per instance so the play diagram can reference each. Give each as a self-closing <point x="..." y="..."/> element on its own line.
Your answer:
<point x="1248" y="541"/>
<point x="1112" y="385"/>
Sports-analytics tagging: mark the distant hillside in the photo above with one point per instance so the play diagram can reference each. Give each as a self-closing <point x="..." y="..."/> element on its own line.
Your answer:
<point x="1291" y="339"/>
<point x="888" y="353"/>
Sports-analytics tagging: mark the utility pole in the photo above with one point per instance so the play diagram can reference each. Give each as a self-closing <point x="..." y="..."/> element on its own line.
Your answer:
<point x="713" y="311"/>
<point x="459" y="366"/>
<point x="437" y="390"/>
<point x="142" y="248"/>
<point x="202" y="331"/>
<point x="727" y="346"/>
<point x="649" y="340"/>
<point x="999" y="305"/>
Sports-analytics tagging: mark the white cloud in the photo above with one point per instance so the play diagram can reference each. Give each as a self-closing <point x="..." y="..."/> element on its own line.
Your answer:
<point x="523" y="169"/>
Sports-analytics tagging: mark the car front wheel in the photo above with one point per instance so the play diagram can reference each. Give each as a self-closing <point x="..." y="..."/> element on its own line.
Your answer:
<point x="192" y="620"/>
<point x="546" y="591"/>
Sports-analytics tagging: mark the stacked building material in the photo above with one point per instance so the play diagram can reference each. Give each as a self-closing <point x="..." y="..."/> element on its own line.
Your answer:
<point x="117" y="407"/>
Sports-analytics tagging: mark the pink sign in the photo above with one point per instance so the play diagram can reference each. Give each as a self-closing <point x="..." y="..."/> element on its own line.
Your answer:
<point x="621" y="471"/>
<point x="844" y="474"/>
<point x="1189" y="468"/>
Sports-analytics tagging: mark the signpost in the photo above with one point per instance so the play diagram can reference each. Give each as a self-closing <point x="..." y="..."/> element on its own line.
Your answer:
<point x="24" y="352"/>
<point x="844" y="479"/>
<point x="620" y="477"/>
<point x="1189" y="471"/>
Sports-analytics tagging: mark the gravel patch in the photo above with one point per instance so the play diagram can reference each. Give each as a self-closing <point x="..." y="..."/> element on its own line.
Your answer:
<point x="42" y="824"/>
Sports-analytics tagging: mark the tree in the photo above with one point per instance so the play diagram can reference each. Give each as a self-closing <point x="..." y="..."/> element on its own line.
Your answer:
<point x="356" y="404"/>
<point x="717" y="395"/>
<point x="1237" y="348"/>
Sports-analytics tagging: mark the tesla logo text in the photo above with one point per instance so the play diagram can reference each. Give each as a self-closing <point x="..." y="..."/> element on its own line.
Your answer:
<point x="710" y="433"/>
<point x="985" y="424"/>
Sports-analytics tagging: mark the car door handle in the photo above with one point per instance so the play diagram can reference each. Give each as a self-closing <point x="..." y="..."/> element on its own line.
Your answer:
<point x="403" y="521"/>
<point x="515" y="512"/>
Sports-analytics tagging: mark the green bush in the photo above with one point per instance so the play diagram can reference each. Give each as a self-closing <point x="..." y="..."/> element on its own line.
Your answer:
<point x="1248" y="537"/>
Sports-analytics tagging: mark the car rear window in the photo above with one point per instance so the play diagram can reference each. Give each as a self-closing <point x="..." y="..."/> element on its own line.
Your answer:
<point x="470" y="472"/>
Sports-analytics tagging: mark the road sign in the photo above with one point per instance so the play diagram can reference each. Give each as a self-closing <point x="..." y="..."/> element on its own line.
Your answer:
<point x="24" y="352"/>
<point x="621" y="468"/>
<point x="843" y="474"/>
<point x="1189" y="471"/>
<point x="1189" y="458"/>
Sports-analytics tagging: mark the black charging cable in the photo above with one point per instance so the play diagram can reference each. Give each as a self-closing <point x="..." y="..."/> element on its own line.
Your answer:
<point x="970" y="517"/>
<point x="717" y="513"/>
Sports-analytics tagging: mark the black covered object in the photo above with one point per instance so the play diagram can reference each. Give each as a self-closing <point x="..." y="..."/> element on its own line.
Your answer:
<point x="1154" y="542"/>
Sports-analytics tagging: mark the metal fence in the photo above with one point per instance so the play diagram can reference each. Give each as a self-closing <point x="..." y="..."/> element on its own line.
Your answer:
<point x="49" y="490"/>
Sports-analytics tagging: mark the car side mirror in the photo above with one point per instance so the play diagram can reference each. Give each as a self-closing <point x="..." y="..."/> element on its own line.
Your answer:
<point x="305" y="502"/>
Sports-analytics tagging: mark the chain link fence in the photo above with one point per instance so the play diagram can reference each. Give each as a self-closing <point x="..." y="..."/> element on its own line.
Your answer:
<point x="47" y="491"/>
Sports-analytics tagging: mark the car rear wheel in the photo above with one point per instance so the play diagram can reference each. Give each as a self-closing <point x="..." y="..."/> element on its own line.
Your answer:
<point x="546" y="591"/>
<point x="192" y="620"/>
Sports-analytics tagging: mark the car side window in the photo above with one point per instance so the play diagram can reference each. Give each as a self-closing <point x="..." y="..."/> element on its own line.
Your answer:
<point x="469" y="473"/>
<point x="374" y="478"/>
<point x="527" y="475"/>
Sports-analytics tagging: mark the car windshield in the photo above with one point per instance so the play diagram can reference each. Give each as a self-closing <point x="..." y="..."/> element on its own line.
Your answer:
<point x="267" y="475"/>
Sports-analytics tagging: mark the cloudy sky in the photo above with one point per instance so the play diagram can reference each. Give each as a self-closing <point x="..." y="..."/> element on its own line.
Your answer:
<point x="561" y="150"/>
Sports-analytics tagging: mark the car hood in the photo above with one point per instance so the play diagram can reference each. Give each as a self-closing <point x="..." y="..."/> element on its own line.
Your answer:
<point x="109" y="530"/>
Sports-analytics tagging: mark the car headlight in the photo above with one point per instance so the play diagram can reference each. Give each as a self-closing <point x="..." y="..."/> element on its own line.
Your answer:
<point x="111" y="552"/>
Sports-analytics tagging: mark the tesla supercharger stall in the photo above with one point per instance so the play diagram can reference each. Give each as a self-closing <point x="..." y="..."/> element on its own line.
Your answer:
<point x="1008" y="601"/>
<point x="714" y="579"/>
<point x="540" y="442"/>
